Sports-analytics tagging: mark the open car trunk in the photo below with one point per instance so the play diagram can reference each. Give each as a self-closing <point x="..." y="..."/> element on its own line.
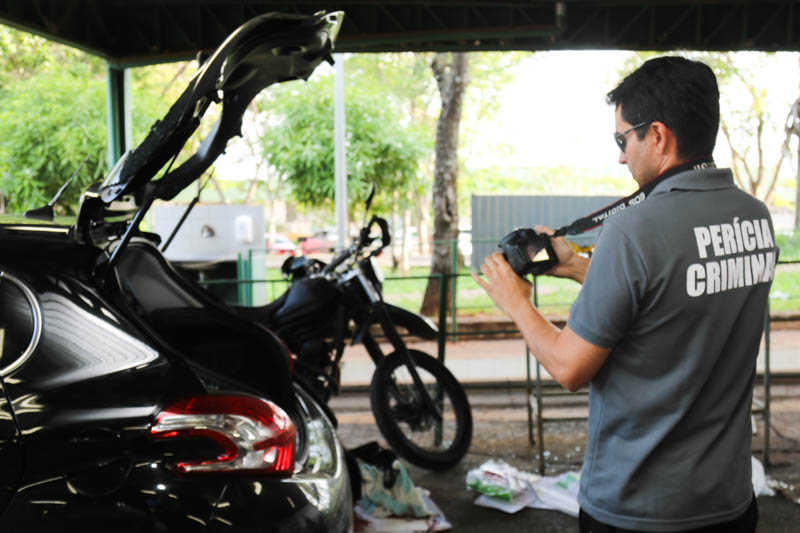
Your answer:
<point x="206" y="332"/>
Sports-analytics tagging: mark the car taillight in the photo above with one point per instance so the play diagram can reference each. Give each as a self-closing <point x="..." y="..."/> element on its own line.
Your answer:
<point x="255" y="435"/>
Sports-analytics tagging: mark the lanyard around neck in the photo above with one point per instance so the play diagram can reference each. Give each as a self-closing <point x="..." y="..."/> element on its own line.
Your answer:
<point x="598" y="217"/>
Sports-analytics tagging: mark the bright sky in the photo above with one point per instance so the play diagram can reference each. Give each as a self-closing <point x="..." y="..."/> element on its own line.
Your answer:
<point x="555" y="112"/>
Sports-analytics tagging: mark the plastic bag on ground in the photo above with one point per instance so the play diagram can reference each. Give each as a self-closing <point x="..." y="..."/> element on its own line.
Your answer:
<point x="509" y="489"/>
<point x="381" y="496"/>
<point x="499" y="485"/>
<point x="387" y="497"/>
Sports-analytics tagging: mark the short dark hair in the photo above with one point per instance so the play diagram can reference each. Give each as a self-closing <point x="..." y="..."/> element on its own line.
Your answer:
<point x="681" y="93"/>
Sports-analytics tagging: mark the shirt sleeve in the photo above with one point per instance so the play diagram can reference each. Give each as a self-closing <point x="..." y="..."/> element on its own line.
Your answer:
<point x="612" y="291"/>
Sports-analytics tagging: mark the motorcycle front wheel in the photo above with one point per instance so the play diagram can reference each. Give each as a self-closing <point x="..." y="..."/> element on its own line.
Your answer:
<point x="409" y="427"/>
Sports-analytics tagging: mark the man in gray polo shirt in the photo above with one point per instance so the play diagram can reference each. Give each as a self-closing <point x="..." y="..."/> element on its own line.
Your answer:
<point x="667" y="325"/>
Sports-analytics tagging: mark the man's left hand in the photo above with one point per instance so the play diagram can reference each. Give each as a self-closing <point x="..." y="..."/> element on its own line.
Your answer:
<point x="506" y="289"/>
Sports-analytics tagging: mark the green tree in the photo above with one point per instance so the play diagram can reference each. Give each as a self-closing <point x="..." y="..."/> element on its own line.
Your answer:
<point x="451" y="72"/>
<point x="48" y="125"/>
<point x="298" y="142"/>
<point x="23" y="55"/>
<point x="485" y="75"/>
<point x="404" y="81"/>
<point x="53" y="115"/>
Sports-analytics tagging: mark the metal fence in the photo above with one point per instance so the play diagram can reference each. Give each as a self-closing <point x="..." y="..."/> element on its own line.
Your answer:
<point x="448" y="325"/>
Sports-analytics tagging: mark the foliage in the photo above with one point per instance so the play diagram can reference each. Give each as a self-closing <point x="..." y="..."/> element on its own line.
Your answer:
<point x="405" y="81"/>
<point x="489" y="73"/>
<point x="789" y="244"/>
<point x="44" y="136"/>
<point x="746" y="120"/>
<point x="382" y="148"/>
<point x="53" y="115"/>
<point x="503" y="179"/>
<point x="24" y="55"/>
<point x="154" y="88"/>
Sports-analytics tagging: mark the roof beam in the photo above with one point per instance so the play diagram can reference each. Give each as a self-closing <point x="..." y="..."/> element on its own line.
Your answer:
<point x="133" y="32"/>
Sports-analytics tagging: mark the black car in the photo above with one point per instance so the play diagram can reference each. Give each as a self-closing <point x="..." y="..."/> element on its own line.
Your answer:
<point x="131" y="399"/>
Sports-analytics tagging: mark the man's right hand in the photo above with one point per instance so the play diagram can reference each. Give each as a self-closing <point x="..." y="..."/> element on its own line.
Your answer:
<point x="570" y="265"/>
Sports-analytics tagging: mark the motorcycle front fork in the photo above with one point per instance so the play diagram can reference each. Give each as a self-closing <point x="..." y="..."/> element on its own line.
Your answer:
<point x="375" y="352"/>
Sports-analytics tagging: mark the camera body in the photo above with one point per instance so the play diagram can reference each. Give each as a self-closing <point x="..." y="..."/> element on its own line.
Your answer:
<point x="528" y="252"/>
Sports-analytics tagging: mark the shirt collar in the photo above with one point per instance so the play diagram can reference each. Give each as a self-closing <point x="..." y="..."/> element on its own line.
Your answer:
<point x="697" y="180"/>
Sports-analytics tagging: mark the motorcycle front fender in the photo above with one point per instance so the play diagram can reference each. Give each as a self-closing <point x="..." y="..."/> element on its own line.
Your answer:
<point x="417" y="325"/>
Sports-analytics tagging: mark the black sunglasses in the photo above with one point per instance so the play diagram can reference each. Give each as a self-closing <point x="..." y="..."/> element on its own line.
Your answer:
<point x="621" y="138"/>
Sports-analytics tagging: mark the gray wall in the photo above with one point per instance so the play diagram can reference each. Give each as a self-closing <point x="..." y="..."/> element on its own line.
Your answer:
<point x="494" y="216"/>
<point x="193" y="244"/>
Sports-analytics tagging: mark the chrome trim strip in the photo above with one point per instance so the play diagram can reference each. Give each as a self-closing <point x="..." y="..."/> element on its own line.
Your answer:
<point x="44" y="229"/>
<point x="37" y="323"/>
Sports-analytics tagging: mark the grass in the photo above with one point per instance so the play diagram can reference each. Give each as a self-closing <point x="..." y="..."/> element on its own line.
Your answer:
<point x="554" y="295"/>
<point x="789" y="243"/>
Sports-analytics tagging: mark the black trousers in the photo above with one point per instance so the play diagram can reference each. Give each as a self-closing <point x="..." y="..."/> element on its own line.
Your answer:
<point x="744" y="523"/>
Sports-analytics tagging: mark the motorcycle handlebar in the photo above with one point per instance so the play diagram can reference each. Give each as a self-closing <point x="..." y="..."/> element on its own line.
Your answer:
<point x="338" y="260"/>
<point x="386" y="239"/>
<point x="363" y="240"/>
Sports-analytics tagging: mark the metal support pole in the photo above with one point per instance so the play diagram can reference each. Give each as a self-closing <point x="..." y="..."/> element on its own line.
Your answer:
<point x="250" y="277"/>
<point x="454" y="272"/>
<point x="539" y="414"/>
<point x="442" y="316"/>
<point x="339" y="155"/>
<point x="528" y="394"/>
<point x="766" y="387"/>
<point x="239" y="269"/>
<point x="539" y="409"/>
<point x="118" y="112"/>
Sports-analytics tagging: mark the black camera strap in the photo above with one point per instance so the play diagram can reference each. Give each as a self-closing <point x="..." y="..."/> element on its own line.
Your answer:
<point x="598" y="217"/>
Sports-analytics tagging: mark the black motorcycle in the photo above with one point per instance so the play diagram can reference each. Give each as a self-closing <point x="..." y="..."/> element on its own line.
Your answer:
<point x="419" y="406"/>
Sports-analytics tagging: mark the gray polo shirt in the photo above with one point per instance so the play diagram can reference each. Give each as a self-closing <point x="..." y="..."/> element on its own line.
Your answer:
<point x="678" y="287"/>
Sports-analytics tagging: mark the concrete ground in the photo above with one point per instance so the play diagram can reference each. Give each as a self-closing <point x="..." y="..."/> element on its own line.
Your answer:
<point x="500" y="360"/>
<point x="501" y="431"/>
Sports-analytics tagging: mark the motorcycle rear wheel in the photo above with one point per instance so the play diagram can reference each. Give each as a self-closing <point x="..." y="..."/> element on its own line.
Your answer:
<point x="402" y="418"/>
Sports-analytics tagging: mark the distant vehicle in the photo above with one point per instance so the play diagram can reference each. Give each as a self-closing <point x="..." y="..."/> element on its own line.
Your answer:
<point x="320" y="242"/>
<point x="279" y="244"/>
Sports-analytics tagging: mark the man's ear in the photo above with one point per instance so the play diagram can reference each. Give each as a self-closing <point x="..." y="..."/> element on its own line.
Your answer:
<point x="663" y="138"/>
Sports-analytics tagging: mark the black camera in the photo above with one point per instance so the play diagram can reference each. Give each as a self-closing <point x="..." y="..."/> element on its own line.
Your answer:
<point x="528" y="252"/>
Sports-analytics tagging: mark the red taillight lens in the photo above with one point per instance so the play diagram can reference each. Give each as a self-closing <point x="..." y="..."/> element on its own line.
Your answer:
<point x="256" y="436"/>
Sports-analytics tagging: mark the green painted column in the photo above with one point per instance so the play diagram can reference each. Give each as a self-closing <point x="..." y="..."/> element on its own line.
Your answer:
<point x="118" y="112"/>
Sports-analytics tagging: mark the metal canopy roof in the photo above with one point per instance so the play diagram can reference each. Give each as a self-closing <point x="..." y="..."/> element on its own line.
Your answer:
<point x="137" y="32"/>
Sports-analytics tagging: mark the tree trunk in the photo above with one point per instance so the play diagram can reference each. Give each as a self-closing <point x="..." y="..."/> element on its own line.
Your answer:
<point x="797" y="193"/>
<point x="793" y="128"/>
<point x="450" y="72"/>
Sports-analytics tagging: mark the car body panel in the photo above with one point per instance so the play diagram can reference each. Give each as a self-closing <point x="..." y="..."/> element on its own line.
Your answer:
<point x="279" y="244"/>
<point x="11" y="458"/>
<point x="84" y="402"/>
<point x="321" y="242"/>
<point x="87" y="365"/>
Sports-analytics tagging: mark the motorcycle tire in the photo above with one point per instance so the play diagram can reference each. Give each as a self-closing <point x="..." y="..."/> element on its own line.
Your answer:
<point x="401" y="418"/>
